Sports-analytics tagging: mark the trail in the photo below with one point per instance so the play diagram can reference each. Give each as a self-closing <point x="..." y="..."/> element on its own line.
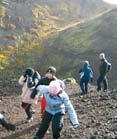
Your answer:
<point x="84" y="21"/>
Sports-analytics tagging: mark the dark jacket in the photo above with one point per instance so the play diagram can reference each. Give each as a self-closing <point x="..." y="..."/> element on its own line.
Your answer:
<point x="103" y="68"/>
<point x="43" y="81"/>
<point x="87" y="73"/>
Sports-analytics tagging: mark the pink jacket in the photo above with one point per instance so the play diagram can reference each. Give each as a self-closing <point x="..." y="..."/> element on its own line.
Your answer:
<point x="26" y="92"/>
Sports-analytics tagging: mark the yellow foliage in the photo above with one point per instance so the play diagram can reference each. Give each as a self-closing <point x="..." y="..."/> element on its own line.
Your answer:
<point x="1" y="25"/>
<point x="37" y="11"/>
<point x="2" y="57"/>
<point x="3" y="61"/>
<point x="2" y="11"/>
<point x="9" y="51"/>
<point x="11" y="26"/>
<point x="34" y="31"/>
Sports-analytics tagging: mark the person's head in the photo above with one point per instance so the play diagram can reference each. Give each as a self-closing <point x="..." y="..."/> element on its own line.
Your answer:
<point x="56" y="87"/>
<point x="50" y="73"/>
<point x="29" y="72"/>
<point x="86" y="63"/>
<point x="102" y="56"/>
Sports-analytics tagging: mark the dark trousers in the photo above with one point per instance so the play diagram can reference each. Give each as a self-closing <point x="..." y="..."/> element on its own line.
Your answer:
<point x="84" y="86"/>
<point x="102" y="79"/>
<point x="7" y="124"/>
<point x="27" y="108"/>
<point x="57" y="124"/>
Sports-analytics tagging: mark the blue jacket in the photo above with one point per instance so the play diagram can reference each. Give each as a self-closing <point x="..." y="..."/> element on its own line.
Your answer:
<point x="59" y="103"/>
<point x="86" y="73"/>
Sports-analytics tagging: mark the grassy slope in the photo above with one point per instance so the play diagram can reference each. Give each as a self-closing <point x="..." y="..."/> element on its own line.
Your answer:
<point x="22" y="31"/>
<point x="82" y="42"/>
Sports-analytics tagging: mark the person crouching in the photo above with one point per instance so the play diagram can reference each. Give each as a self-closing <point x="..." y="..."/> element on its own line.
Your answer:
<point x="57" y="101"/>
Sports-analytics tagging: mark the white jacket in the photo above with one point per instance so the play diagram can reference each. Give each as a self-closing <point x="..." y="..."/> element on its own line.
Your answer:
<point x="26" y="92"/>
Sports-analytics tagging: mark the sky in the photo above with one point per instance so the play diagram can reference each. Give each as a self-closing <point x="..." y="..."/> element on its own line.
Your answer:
<point x="111" y="1"/>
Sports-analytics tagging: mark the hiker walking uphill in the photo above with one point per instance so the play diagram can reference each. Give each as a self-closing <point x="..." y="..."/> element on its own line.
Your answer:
<point x="28" y="81"/>
<point x="86" y="74"/>
<point x="104" y="68"/>
<point x="57" y="102"/>
<point x="50" y="76"/>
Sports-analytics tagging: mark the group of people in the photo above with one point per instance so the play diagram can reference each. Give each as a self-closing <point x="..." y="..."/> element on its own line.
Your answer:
<point x="54" y="100"/>
<point x="87" y="74"/>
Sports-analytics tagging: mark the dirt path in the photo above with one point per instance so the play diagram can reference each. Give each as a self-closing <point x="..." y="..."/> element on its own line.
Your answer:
<point x="84" y="21"/>
<point x="96" y="115"/>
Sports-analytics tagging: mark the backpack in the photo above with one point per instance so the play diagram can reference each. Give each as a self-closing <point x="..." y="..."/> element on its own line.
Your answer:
<point x="33" y="81"/>
<point x="36" y="76"/>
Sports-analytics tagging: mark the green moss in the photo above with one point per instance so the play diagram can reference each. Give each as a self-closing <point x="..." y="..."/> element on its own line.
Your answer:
<point x="2" y="11"/>
<point x="74" y="41"/>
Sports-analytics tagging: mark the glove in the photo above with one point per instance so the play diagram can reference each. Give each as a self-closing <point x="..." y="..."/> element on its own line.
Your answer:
<point x="75" y="126"/>
<point x="30" y="83"/>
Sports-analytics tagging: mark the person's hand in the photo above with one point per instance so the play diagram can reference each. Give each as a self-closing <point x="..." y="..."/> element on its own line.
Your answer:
<point x="30" y="83"/>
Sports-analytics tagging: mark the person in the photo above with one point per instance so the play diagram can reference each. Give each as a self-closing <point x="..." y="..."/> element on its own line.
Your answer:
<point x="6" y="124"/>
<point x="104" y="68"/>
<point x="57" y="103"/>
<point x="86" y="74"/>
<point x="50" y="76"/>
<point x="29" y="80"/>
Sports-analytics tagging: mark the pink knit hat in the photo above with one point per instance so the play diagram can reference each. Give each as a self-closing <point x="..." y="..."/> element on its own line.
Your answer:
<point x="55" y="87"/>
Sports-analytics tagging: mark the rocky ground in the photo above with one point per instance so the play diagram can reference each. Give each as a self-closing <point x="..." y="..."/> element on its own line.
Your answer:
<point x="97" y="113"/>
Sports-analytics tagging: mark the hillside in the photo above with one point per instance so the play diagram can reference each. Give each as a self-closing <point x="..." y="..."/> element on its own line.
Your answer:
<point x="24" y="26"/>
<point x="85" y="41"/>
<point x="38" y="18"/>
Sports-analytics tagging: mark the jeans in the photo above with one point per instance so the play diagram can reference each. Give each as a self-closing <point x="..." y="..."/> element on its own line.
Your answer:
<point x="27" y="108"/>
<point x="84" y="86"/>
<point x="57" y="124"/>
<point x="102" y="79"/>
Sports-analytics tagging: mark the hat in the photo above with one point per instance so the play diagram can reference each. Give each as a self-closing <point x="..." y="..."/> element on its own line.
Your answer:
<point x="55" y="87"/>
<point x="29" y="71"/>
<point x="51" y="69"/>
